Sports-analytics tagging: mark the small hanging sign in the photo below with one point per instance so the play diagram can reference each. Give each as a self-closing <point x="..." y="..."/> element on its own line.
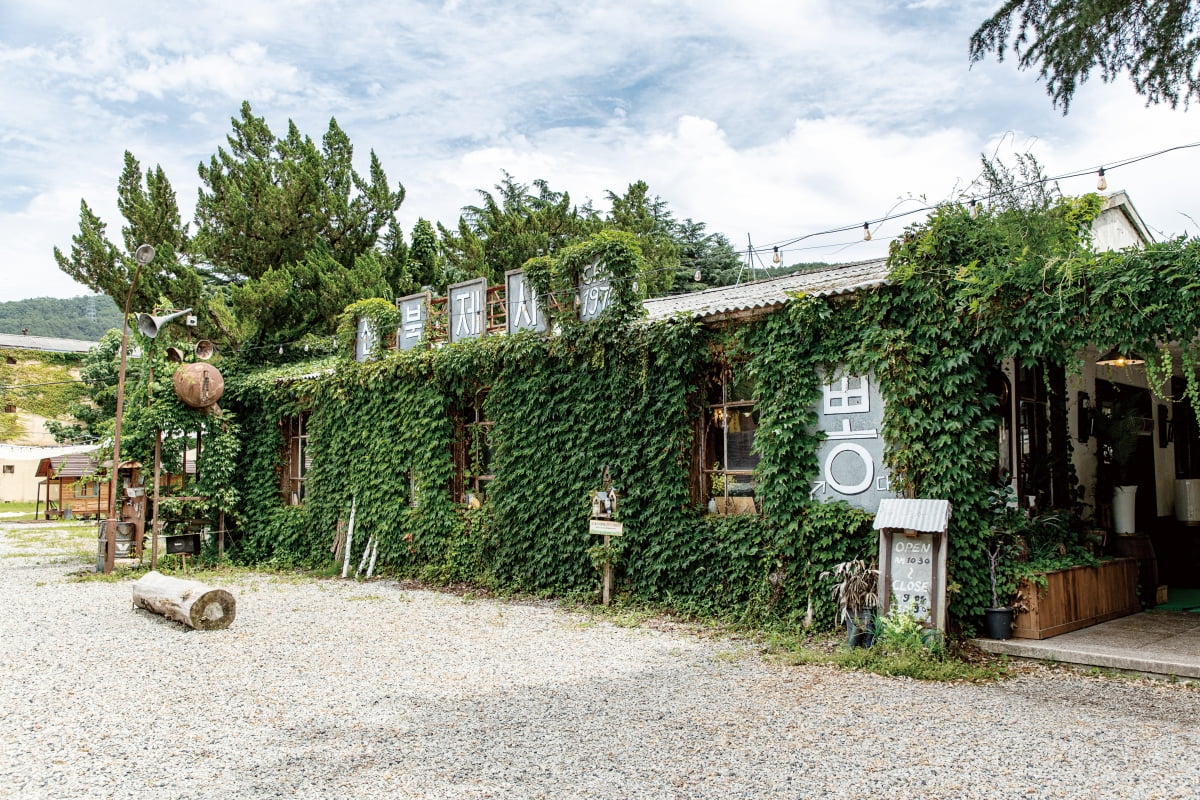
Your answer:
<point x="606" y="527"/>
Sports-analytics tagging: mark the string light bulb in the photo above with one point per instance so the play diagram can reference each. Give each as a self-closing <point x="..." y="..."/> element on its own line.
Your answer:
<point x="775" y="258"/>
<point x="697" y="276"/>
<point x="1102" y="182"/>
<point x="280" y="349"/>
<point x="974" y="206"/>
<point x="866" y="231"/>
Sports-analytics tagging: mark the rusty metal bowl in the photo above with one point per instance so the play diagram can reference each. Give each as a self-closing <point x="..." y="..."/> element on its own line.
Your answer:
<point x="198" y="385"/>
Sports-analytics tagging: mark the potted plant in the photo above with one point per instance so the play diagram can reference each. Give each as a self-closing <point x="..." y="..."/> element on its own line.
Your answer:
<point x="1119" y="429"/>
<point x="716" y="502"/>
<point x="1009" y="523"/>
<point x="855" y="594"/>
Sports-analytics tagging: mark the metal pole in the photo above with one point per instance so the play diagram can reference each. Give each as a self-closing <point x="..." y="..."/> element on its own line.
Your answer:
<point x="144" y="255"/>
<point x="154" y="511"/>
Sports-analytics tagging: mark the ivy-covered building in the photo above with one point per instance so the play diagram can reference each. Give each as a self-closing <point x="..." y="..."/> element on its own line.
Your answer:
<point x="750" y="431"/>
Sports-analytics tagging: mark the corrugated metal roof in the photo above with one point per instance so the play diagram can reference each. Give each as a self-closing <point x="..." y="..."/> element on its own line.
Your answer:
<point x="45" y="344"/>
<point x="927" y="516"/>
<point x="771" y="292"/>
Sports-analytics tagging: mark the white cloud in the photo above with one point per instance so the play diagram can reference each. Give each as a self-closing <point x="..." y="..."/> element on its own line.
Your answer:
<point x="775" y="119"/>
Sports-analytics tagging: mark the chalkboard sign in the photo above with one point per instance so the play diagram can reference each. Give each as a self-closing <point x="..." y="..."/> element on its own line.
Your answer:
<point x="911" y="572"/>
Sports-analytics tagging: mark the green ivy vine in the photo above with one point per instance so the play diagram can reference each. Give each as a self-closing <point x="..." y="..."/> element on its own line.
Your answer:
<point x="621" y="394"/>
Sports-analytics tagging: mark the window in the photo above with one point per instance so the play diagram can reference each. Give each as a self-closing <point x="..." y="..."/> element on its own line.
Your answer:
<point x="9" y="469"/>
<point x="1000" y="388"/>
<point x="730" y="423"/>
<point x="298" y="460"/>
<point x="473" y="454"/>
<point x="87" y="488"/>
<point x="1041" y="436"/>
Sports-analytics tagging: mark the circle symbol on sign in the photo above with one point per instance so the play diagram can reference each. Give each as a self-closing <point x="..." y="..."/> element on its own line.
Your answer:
<point x="868" y="469"/>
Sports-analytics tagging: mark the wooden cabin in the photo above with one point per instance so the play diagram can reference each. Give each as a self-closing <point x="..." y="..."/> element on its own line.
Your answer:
<point x="72" y="486"/>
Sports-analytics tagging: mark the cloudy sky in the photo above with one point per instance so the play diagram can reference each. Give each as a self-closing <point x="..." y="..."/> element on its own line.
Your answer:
<point x="766" y="120"/>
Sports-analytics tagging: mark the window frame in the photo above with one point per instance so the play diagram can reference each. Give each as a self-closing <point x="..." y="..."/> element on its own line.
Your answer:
<point x="472" y="453"/>
<point x="719" y="406"/>
<point x="297" y="461"/>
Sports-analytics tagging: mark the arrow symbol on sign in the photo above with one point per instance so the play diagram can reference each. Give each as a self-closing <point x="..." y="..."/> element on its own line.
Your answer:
<point x="818" y="488"/>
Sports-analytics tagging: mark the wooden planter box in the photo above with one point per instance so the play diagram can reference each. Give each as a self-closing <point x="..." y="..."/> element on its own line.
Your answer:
<point x="1078" y="597"/>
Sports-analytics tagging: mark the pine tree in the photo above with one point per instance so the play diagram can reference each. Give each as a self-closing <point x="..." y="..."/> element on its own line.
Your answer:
<point x="1067" y="39"/>
<point x="151" y="214"/>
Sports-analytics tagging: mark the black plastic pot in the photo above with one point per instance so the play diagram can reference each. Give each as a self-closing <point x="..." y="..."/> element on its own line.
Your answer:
<point x="998" y="623"/>
<point x="860" y="629"/>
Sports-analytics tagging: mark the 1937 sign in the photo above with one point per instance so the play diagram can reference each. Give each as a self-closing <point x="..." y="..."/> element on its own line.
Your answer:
<point x="595" y="290"/>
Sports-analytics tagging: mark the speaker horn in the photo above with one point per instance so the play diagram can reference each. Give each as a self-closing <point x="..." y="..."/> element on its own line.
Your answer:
<point x="149" y="325"/>
<point x="174" y="355"/>
<point x="205" y="350"/>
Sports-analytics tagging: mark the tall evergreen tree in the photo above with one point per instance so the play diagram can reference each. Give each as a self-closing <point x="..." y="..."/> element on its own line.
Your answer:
<point x="424" y="256"/>
<point x="507" y="229"/>
<point x="1067" y="39"/>
<point x="266" y="202"/>
<point x="151" y="212"/>
<point x="710" y="253"/>
<point x="274" y="217"/>
<point x="649" y="219"/>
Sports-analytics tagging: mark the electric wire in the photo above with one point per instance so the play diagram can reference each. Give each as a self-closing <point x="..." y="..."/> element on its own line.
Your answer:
<point x="786" y="245"/>
<point x="1107" y="166"/>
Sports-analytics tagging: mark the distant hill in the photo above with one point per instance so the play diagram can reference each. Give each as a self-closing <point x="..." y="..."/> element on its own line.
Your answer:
<point x="87" y="317"/>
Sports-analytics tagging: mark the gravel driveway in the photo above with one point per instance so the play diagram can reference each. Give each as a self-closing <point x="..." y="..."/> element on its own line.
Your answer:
<point x="337" y="689"/>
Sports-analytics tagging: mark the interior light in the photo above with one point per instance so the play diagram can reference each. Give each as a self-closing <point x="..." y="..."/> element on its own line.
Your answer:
<point x="1115" y="358"/>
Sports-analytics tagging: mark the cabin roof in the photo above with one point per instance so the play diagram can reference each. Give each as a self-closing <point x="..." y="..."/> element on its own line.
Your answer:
<point x="71" y="465"/>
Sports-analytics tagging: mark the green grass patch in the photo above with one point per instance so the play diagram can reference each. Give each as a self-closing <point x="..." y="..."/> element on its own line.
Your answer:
<point x="16" y="512"/>
<point x="49" y="540"/>
<point x="909" y="654"/>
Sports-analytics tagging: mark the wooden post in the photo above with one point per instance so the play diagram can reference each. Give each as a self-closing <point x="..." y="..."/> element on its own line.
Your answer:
<point x="608" y="582"/>
<point x="154" y="524"/>
<point x="190" y="602"/>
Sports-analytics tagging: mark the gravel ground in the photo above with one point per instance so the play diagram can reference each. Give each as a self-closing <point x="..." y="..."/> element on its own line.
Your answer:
<point x="324" y="689"/>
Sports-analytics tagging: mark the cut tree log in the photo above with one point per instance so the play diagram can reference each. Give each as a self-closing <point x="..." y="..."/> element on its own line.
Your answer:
<point x="190" y="602"/>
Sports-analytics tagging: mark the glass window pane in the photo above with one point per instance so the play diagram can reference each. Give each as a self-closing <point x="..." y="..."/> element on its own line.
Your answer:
<point x="715" y="446"/>
<point x="741" y="387"/>
<point x="743" y="423"/>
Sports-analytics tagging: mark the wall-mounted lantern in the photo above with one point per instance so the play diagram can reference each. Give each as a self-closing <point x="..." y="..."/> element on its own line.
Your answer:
<point x="1085" y="418"/>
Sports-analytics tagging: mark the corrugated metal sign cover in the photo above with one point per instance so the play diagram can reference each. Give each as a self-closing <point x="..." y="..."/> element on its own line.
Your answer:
<point x="927" y="516"/>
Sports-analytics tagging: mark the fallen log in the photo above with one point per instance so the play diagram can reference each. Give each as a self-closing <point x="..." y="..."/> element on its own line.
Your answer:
<point x="190" y="602"/>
